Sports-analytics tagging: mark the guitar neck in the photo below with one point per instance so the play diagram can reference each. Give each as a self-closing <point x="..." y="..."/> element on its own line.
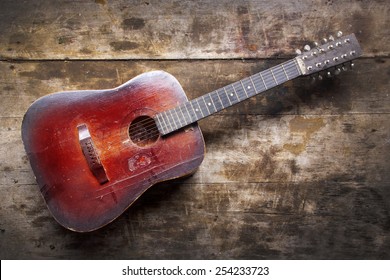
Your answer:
<point x="217" y="100"/>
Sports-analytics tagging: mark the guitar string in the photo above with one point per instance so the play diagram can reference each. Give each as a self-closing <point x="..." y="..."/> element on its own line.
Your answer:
<point x="266" y="74"/>
<point x="147" y="128"/>
<point x="276" y="74"/>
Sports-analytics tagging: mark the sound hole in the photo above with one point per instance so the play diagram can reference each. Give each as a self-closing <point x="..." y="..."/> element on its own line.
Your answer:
<point x="143" y="131"/>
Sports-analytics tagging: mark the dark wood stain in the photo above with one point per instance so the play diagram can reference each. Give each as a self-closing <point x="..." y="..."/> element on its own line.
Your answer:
<point x="124" y="45"/>
<point x="133" y="23"/>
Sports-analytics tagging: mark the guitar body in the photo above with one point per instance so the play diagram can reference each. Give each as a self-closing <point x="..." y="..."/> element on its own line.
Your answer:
<point x="95" y="152"/>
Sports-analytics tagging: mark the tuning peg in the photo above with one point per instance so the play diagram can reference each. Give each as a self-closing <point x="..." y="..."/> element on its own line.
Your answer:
<point x="298" y="51"/>
<point x="339" y="34"/>
<point x="331" y="38"/>
<point x="329" y="74"/>
<point x="324" y="40"/>
<point x="315" y="77"/>
<point x="352" y="65"/>
<point x="315" y="44"/>
<point x="337" y="71"/>
<point x="344" y="67"/>
<point x="306" y="48"/>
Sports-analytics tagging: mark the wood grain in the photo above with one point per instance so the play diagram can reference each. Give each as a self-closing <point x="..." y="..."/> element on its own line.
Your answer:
<point x="204" y="29"/>
<point x="300" y="172"/>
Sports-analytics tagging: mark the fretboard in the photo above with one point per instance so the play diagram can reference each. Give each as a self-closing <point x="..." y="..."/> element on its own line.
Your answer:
<point x="217" y="100"/>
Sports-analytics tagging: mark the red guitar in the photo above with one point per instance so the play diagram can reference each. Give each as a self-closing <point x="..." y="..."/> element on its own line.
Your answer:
<point x="95" y="152"/>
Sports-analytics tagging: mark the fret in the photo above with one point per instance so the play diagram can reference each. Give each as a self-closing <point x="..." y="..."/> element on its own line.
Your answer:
<point x="173" y="118"/>
<point x="216" y="101"/>
<point x="289" y="69"/>
<point x="254" y="86"/>
<point x="246" y="87"/>
<point x="199" y="107"/>
<point x="261" y="76"/>
<point x="209" y="103"/>
<point x="251" y="89"/>
<point x="232" y="95"/>
<point x="297" y="67"/>
<point x="169" y="121"/>
<point x="181" y="112"/>
<point x="195" y="109"/>
<point x="161" y="125"/>
<point x="212" y="101"/>
<point x="165" y="119"/>
<point x="224" y="97"/>
<point x="238" y="90"/>
<point x="279" y="75"/>
<point x="273" y="76"/>
<point x="178" y="119"/>
<point x="260" y="86"/>
<point x="209" y="99"/>
<point x="187" y="117"/>
<point x="205" y="105"/>
<point x="268" y="79"/>
<point x="205" y="109"/>
<point x="191" y="115"/>
<point x="285" y="73"/>
<point x="219" y="98"/>
<point x="227" y="95"/>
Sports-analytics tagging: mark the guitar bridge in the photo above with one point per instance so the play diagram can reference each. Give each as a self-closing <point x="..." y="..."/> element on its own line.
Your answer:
<point x="91" y="155"/>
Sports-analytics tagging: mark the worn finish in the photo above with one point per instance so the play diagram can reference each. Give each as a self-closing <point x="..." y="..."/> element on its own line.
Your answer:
<point x="70" y="177"/>
<point x="183" y="29"/>
<point x="301" y="172"/>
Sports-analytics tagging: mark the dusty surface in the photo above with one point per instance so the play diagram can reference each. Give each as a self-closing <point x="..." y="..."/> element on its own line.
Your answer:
<point x="301" y="172"/>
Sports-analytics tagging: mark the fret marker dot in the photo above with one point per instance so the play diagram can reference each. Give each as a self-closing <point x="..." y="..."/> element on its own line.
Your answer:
<point x="197" y="109"/>
<point x="209" y="104"/>
<point x="231" y="94"/>
<point x="249" y="87"/>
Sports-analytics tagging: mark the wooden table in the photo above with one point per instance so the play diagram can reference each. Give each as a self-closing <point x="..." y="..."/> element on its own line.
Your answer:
<point x="300" y="172"/>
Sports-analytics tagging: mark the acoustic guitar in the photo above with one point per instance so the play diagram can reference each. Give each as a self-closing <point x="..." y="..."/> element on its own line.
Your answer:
<point x="94" y="152"/>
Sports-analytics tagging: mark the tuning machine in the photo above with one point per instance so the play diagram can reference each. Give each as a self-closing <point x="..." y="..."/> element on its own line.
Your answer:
<point x="337" y="70"/>
<point x="318" y="76"/>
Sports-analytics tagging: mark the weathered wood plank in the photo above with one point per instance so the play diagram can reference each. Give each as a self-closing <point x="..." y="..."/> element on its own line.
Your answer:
<point x="271" y="187"/>
<point x="173" y="29"/>
<point x="348" y="93"/>
<point x="320" y="219"/>
<point x="301" y="172"/>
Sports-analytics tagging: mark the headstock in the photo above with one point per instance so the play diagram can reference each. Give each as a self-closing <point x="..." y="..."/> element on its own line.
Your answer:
<point x="333" y="53"/>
